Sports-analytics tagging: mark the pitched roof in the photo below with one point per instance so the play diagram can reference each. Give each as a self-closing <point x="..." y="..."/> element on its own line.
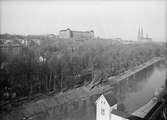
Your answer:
<point x="110" y="99"/>
<point x="135" y="118"/>
<point x="120" y="113"/>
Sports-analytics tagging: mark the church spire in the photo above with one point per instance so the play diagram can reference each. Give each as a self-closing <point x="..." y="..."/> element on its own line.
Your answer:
<point x="139" y="34"/>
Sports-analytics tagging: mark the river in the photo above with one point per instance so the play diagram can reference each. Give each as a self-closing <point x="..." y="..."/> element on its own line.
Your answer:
<point x="131" y="94"/>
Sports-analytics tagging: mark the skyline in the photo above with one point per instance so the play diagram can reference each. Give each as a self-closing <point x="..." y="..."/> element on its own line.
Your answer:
<point x="107" y="19"/>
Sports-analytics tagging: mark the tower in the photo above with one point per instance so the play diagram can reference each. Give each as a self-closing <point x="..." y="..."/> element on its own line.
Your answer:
<point x="141" y="37"/>
<point x="139" y="34"/>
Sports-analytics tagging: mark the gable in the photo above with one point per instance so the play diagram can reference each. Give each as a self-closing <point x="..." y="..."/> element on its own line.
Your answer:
<point x="109" y="99"/>
<point x="102" y="100"/>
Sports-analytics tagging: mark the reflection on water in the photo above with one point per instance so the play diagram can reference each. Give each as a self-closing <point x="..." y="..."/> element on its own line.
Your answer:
<point x="138" y="89"/>
<point x="131" y="94"/>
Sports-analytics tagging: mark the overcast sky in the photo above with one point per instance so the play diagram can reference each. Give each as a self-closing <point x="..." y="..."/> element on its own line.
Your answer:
<point x="107" y="19"/>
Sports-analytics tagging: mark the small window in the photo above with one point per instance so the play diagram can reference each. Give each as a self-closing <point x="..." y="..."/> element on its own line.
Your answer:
<point x="102" y="111"/>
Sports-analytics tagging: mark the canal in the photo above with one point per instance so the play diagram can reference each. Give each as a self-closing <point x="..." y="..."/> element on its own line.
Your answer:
<point x="131" y="93"/>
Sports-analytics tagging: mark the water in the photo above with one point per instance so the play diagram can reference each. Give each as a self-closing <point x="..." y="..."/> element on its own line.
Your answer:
<point x="139" y="89"/>
<point x="131" y="94"/>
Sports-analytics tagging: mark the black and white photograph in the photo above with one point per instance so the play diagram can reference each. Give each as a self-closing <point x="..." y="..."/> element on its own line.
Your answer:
<point x="83" y="60"/>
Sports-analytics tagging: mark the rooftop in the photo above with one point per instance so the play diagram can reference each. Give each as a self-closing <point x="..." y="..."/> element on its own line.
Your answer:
<point x="77" y="31"/>
<point x="120" y="113"/>
<point x="110" y="99"/>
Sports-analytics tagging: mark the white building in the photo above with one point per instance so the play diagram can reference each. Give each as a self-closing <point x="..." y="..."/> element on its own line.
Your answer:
<point x="68" y="33"/>
<point x="65" y="33"/>
<point x="106" y="108"/>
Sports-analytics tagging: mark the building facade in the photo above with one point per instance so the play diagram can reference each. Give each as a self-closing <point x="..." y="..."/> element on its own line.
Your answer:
<point x="141" y="37"/>
<point x="68" y="33"/>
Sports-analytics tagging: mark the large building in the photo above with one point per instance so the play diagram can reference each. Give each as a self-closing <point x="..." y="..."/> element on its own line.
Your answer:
<point x="141" y="37"/>
<point x="68" y="33"/>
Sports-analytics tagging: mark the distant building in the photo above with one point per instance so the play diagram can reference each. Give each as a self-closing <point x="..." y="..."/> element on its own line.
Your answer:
<point x="76" y="34"/>
<point x="29" y="42"/>
<point x="11" y="48"/>
<point x="52" y="36"/>
<point x="141" y="37"/>
<point x="36" y="41"/>
<point x="23" y="42"/>
<point x="106" y="109"/>
<point x="42" y="59"/>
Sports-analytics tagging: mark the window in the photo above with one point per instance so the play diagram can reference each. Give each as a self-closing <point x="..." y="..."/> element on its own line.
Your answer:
<point x="102" y="102"/>
<point x="102" y="111"/>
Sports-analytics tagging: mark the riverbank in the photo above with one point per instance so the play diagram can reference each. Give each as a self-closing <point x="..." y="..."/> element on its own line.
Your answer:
<point x="128" y="73"/>
<point x="41" y="106"/>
